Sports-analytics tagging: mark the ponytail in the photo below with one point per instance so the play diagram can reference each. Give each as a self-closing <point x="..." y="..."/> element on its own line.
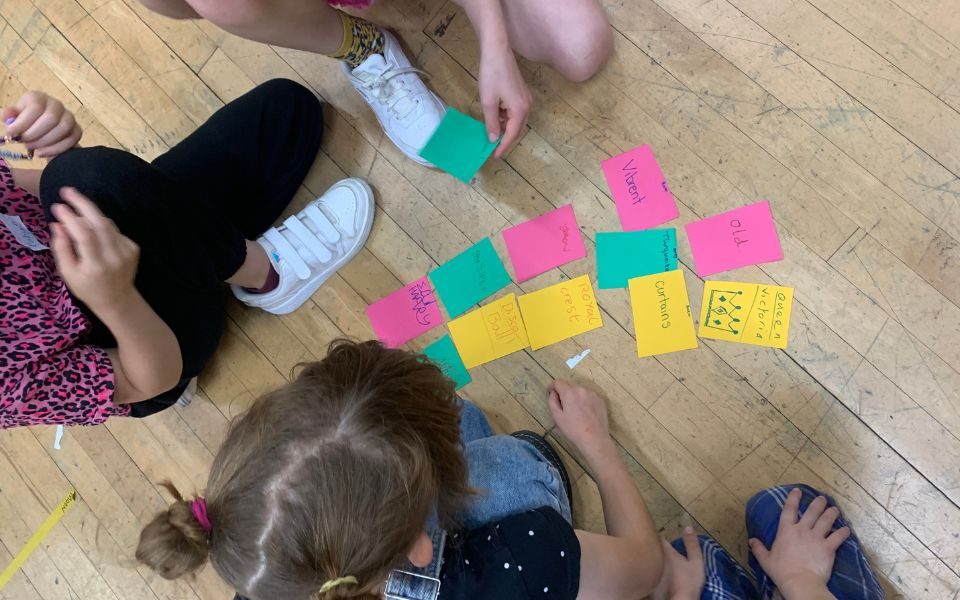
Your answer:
<point x="174" y="543"/>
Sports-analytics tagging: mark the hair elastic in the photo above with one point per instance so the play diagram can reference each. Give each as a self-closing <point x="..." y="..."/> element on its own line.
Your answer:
<point x="329" y="585"/>
<point x="199" y="509"/>
<point x="10" y="155"/>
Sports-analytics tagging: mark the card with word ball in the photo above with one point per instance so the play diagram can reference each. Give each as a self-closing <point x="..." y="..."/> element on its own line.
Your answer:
<point x="559" y="312"/>
<point x="738" y="238"/>
<point x="490" y="332"/>
<point x="661" y="313"/>
<point x="749" y="313"/>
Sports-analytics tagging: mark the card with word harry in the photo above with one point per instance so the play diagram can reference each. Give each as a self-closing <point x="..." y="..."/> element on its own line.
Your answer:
<point x="490" y="332"/>
<point x="749" y="313"/>
<point x="661" y="313"/>
<point x="737" y="238"/>
<point x="548" y="241"/>
<point x="469" y="277"/>
<point x="639" y="189"/>
<point x="560" y="311"/>
<point x="405" y="314"/>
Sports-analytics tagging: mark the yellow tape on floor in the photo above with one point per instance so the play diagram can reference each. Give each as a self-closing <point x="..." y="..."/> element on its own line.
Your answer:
<point x="38" y="537"/>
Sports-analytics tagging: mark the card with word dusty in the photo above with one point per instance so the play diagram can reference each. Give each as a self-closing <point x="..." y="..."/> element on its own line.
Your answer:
<point x="459" y="146"/>
<point x="548" y="241"/>
<point x="737" y="238"/>
<point x="749" y="313"/>
<point x="490" y="332"/>
<point x="639" y="189"/>
<point x="661" y="313"/>
<point x="469" y="277"/>
<point x="560" y="311"/>
<point x="443" y="353"/>
<point x="405" y="314"/>
<point x="623" y="255"/>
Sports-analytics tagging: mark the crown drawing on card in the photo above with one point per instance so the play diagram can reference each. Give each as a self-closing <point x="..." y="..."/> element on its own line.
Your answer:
<point x="723" y="310"/>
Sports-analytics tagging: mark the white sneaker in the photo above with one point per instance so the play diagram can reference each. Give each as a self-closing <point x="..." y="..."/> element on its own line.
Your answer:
<point x="310" y="246"/>
<point x="188" y="394"/>
<point x="407" y="110"/>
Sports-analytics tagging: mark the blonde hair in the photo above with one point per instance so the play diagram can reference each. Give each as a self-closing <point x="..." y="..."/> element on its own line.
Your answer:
<point x="332" y="476"/>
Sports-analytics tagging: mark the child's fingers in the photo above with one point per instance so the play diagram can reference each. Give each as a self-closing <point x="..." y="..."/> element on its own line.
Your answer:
<point x="554" y="402"/>
<point x="44" y="124"/>
<point x="824" y="524"/>
<point x="84" y="206"/>
<point x="60" y="132"/>
<point x="813" y="512"/>
<point x="63" y="253"/>
<point x="692" y="544"/>
<point x="790" y="508"/>
<point x="24" y="119"/>
<point x="86" y="242"/>
<point x="838" y="537"/>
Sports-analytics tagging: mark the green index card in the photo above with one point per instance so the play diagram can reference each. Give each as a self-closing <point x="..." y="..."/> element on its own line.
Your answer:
<point x="443" y="353"/>
<point x="623" y="255"/>
<point x="459" y="146"/>
<point x="469" y="277"/>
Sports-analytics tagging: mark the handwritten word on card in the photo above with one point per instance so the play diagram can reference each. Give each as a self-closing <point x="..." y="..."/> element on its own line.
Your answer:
<point x="443" y="353"/>
<point x="623" y="255"/>
<point x="737" y="238"/>
<point x="540" y="244"/>
<point x="639" y="189"/>
<point x="469" y="277"/>
<point x="490" y="332"/>
<point x="749" y="313"/>
<point x="661" y="313"/>
<point x="405" y="314"/>
<point x="560" y="311"/>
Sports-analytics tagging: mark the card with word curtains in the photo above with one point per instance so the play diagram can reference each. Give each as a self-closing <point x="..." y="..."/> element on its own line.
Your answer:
<point x="749" y="313"/>
<point x="661" y="314"/>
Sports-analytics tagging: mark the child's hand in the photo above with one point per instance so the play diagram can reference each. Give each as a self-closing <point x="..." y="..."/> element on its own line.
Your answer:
<point x="580" y="414"/>
<point x="801" y="558"/>
<point x="42" y="124"/>
<point x="683" y="576"/>
<point x="97" y="262"/>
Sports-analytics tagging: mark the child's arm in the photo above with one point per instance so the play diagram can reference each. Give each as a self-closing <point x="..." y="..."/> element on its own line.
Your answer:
<point x="626" y="563"/>
<point x="98" y="264"/>
<point x="45" y="127"/>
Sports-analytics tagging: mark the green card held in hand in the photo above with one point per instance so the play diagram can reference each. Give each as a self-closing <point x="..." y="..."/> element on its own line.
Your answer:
<point x="469" y="277"/>
<point x="443" y="353"/>
<point x="459" y="146"/>
<point x="623" y="255"/>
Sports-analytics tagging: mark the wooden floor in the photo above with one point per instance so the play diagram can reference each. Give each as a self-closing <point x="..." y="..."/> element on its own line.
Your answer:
<point x="845" y="114"/>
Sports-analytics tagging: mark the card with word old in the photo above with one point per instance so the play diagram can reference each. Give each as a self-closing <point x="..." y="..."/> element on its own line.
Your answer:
<point x="469" y="277"/>
<point x="405" y="314"/>
<point x="623" y="255"/>
<point x="749" y="313"/>
<point x="548" y="241"/>
<point x="443" y="353"/>
<point x="737" y="238"/>
<point x="639" y="189"/>
<point x="661" y="313"/>
<point x="490" y="332"/>
<point x="459" y="146"/>
<point x="560" y="311"/>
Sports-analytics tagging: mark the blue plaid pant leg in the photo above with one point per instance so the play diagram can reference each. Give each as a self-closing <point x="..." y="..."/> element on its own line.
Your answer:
<point x="725" y="578"/>
<point x="853" y="577"/>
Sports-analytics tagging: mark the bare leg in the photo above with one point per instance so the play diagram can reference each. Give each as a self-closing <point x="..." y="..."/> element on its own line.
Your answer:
<point x="572" y="36"/>
<point x="253" y="272"/>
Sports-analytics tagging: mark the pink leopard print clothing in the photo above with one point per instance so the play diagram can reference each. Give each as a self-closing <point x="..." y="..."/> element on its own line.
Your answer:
<point x="47" y="374"/>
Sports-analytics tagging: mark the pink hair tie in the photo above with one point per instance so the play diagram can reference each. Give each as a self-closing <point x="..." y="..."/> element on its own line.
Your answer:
<point x="199" y="509"/>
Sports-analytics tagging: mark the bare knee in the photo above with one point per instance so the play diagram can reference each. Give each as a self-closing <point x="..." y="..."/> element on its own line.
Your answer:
<point x="586" y="50"/>
<point x="175" y="9"/>
<point x="233" y="15"/>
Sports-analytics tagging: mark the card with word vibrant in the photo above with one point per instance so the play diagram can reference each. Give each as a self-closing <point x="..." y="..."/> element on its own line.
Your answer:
<point x="490" y="332"/>
<point x="639" y="189"/>
<point x="661" y="313"/>
<point x="469" y="277"/>
<point x="560" y="311"/>
<point x="443" y="353"/>
<point x="459" y="146"/>
<point x="405" y="314"/>
<point x="623" y="255"/>
<point x="737" y="238"/>
<point x="548" y="241"/>
<point x="749" y="313"/>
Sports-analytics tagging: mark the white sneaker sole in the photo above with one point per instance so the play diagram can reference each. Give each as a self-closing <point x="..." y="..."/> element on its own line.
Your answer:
<point x="367" y="210"/>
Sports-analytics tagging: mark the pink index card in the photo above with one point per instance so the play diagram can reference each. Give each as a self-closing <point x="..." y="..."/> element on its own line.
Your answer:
<point x="405" y="314"/>
<point x="639" y="189"/>
<point x="548" y="241"/>
<point x="737" y="238"/>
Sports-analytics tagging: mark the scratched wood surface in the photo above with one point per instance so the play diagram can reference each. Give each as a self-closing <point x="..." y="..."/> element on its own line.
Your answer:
<point x="842" y="113"/>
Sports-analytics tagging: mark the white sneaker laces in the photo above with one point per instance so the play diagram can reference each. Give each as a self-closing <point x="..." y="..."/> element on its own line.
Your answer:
<point x="387" y="89"/>
<point x="295" y="228"/>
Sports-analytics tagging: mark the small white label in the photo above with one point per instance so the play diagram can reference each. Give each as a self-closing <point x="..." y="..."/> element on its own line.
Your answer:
<point x="23" y="235"/>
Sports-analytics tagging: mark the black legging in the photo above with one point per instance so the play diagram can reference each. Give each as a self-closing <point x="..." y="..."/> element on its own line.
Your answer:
<point x="192" y="208"/>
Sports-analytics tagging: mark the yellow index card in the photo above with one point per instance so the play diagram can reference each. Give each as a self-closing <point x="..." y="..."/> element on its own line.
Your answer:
<point x="489" y="332"/>
<point x="560" y="311"/>
<point x="661" y="313"/>
<point x="749" y="313"/>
